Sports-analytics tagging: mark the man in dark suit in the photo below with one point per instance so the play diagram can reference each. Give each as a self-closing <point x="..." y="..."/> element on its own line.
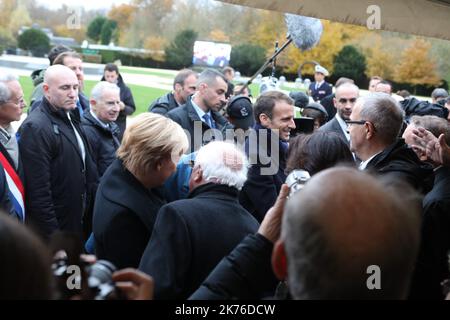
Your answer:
<point x="60" y="176"/>
<point x="267" y="149"/>
<point x="200" y="113"/>
<point x="319" y="89"/>
<point x="344" y="100"/>
<point x="192" y="235"/>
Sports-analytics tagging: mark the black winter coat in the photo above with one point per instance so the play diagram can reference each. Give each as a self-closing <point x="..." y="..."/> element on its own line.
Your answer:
<point x="413" y="106"/>
<point x="163" y="104"/>
<point x="124" y="214"/>
<point x="246" y="273"/>
<point x="104" y="141"/>
<point x="261" y="190"/>
<point x="191" y="236"/>
<point x="127" y="98"/>
<point x="401" y="161"/>
<point x="60" y="188"/>
<point x="432" y="263"/>
<point x="188" y="118"/>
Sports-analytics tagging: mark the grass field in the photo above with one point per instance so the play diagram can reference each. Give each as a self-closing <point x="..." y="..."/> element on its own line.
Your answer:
<point x="143" y="95"/>
<point x="150" y="72"/>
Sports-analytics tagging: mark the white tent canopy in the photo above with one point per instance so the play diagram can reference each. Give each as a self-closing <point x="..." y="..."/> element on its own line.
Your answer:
<point x="429" y="18"/>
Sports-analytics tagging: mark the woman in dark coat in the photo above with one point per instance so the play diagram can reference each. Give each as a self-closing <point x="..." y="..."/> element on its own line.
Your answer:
<point x="129" y="195"/>
<point x="111" y="74"/>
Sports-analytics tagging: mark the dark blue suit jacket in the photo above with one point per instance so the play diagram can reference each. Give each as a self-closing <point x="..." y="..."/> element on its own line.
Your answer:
<point x="321" y="92"/>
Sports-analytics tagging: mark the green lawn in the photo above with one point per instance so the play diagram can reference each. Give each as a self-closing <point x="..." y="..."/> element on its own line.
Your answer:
<point x="143" y="96"/>
<point x="147" y="72"/>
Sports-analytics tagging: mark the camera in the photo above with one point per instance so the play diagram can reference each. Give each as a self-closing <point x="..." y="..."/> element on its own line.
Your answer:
<point x="296" y="180"/>
<point x="85" y="281"/>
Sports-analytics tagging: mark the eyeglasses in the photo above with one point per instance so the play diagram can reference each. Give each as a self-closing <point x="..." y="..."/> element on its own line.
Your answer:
<point x="360" y="122"/>
<point x="344" y="100"/>
<point x="19" y="102"/>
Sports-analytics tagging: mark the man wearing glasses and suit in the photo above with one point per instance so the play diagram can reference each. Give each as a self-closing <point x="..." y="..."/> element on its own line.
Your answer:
<point x="345" y="98"/>
<point x="374" y="128"/>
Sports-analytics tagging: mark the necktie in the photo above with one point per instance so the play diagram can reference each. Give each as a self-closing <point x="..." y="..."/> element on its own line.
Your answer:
<point x="208" y="120"/>
<point x="80" y="108"/>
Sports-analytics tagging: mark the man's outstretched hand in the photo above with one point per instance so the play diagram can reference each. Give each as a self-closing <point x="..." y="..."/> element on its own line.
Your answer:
<point x="436" y="149"/>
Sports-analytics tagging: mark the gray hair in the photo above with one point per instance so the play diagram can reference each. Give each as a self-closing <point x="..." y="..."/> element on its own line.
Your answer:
<point x="333" y="235"/>
<point x="385" y="114"/>
<point x="223" y="163"/>
<point x="99" y="88"/>
<point x="5" y="92"/>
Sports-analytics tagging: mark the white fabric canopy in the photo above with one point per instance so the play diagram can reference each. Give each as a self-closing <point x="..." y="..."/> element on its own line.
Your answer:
<point x="429" y="18"/>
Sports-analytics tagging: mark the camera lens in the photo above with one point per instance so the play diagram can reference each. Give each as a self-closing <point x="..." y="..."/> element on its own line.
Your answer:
<point x="101" y="272"/>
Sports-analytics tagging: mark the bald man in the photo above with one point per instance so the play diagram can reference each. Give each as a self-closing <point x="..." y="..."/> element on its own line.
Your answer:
<point x="59" y="172"/>
<point x="344" y="101"/>
<point x="345" y="235"/>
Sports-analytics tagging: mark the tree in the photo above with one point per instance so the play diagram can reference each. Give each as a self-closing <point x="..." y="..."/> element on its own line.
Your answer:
<point x="6" y="40"/>
<point x="123" y="15"/>
<point x="379" y="62"/>
<point x="247" y="58"/>
<point x="334" y="37"/>
<point x="417" y="67"/>
<point x="19" y="17"/>
<point x="350" y="63"/>
<point x="35" y="41"/>
<point x="78" y="34"/>
<point x="218" y="35"/>
<point x="108" y="28"/>
<point x="6" y="9"/>
<point x="179" y="53"/>
<point x="94" y="29"/>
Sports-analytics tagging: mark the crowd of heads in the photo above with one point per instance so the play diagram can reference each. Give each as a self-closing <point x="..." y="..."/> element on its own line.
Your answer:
<point x="331" y="231"/>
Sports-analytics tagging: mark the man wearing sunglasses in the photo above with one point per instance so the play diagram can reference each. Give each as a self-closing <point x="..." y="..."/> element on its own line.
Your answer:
<point x="345" y="99"/>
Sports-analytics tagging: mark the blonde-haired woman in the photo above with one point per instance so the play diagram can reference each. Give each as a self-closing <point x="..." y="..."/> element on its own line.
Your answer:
<point x="130" y="194"/>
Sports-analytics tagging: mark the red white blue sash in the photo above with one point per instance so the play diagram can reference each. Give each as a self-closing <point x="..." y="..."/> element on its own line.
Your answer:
<point x="15" y="186"/>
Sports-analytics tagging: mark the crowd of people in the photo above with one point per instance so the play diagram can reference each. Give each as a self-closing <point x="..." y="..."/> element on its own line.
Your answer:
<point x="214" y="194"/>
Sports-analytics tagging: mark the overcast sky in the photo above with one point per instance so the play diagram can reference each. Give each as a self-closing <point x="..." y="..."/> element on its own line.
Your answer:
<point x="87" y="4"/>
